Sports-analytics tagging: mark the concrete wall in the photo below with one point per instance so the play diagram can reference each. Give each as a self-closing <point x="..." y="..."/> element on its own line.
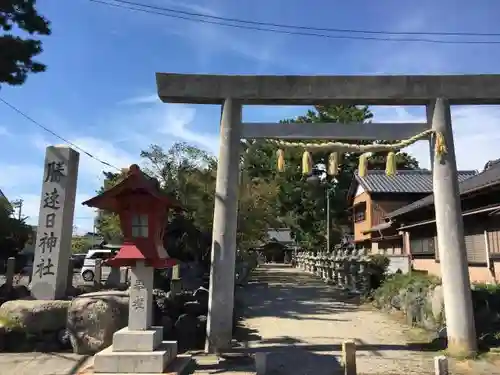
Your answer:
<point x="476" y="274"/>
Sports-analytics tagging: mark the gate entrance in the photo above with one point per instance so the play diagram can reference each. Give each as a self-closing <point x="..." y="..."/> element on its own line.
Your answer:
<point x="437" y="93"/>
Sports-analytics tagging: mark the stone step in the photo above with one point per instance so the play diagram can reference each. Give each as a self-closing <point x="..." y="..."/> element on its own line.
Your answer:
<point x="108" y="361"/>
<point x="182" y="365"/>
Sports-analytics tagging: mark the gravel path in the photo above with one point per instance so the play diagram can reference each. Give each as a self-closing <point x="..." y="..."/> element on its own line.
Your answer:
<point x="302" y="323"/>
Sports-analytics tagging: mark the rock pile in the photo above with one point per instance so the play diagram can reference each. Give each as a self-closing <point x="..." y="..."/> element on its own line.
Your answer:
<point x="183" y="316"/>
<point x="86" y="322"/>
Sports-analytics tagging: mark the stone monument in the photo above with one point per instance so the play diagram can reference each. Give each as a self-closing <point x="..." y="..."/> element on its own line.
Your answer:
<point x="142" y="208"/>
<point x="55" y="223"/>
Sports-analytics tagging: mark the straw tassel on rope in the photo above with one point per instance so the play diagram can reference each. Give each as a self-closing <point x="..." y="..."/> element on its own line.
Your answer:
<point x="363" y="164"/>
<point x="440" y="146"/>
<point x="306" y="163"/>
<point x="281" y="160"/>
<point x="333" y="163"/>
<point x="390" y="166"/>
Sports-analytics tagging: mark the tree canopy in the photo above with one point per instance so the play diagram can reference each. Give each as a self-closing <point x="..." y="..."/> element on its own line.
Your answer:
<point x="14" y="233"/>
<point x="17" y="53"/>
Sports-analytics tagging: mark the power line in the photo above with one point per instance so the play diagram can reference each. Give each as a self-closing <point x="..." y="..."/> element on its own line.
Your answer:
<point x="161" y="11"/>
<point x="302" y="27"/>
<point x="75" y="217"/>
<point x="57" y="135"/>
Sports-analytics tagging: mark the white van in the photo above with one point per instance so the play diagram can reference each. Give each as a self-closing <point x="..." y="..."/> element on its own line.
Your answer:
<point x="88" y="267"/>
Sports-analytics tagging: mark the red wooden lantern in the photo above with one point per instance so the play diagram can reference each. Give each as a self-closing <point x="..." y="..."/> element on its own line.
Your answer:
<point x="143" y="209"/>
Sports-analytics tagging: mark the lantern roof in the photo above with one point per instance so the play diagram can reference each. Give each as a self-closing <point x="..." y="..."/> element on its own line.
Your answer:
<point x="136" y="181"/>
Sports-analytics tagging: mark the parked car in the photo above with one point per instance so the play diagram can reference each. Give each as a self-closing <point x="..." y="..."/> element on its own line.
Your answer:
<point x="27" y="270"/>
<point x="88" y="268"/>
<point x="78" y="259"/>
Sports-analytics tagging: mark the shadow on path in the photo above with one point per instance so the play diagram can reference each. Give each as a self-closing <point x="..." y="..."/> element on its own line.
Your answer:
<point x="296" y="296"/>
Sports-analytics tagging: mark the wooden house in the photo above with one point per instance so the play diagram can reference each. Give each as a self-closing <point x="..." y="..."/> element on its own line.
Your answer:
<point x="375" y="195"/>
<point x="480" y="201"/>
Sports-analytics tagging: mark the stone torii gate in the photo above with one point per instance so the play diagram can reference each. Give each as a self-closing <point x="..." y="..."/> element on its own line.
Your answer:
<point x="437" y="93"/>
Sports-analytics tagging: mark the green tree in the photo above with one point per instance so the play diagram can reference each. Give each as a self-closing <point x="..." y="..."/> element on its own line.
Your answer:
<point x="16" y="53"/>
<point x="14" y="233"/>
<point x="108" y="223"/>
<point x="80" y="244"/>
<point x="189" y="174"/>
<point x="300" y="204"/>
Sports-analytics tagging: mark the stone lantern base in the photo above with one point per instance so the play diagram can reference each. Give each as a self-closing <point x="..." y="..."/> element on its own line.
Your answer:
<point x="140" y="352"/>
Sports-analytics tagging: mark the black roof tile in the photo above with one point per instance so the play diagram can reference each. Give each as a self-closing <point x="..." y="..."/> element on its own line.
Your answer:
<point x="487" y="178"/>
<point x="404" y="181"/>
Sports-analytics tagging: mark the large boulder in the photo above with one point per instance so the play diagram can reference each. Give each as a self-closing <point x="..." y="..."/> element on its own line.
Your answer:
<point x="93" y="318"/>
<point x="36" y="316"/>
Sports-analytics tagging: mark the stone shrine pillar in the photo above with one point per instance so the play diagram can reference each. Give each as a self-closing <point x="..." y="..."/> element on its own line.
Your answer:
<point x="55" y="223"/>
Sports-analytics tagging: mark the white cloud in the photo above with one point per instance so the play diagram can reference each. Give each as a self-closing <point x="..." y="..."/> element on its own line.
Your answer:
<point x="100" y="149"/>
<point x="146" y="99"/>
<point x="474" y="128"/>
<point x="176" y="121"/>
<point x="4" y="131"/>
<point x="196" y="8"/>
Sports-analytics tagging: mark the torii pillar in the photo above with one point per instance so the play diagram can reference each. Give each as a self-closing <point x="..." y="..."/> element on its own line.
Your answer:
<point x="222" y="271"/>
<point x="450" y="235"/>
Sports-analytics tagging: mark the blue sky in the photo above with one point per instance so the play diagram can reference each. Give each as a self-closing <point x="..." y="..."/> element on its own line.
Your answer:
<point x="99" y="89"/>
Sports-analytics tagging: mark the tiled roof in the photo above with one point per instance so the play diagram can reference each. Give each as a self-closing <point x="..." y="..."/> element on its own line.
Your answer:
<point x="487" y="178"/>
<point x="404" y="181"/>
<point x="281" y="235"/>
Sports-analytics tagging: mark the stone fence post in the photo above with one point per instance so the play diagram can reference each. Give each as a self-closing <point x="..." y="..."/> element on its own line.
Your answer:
<point x="349" y="357"/>
<point x="441" y="365"/>
<point x="98" y="272"/>
<point x="10" y="272"/>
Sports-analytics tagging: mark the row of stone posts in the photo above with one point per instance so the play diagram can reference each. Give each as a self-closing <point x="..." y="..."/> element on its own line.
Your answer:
<point x="348" y="269"/>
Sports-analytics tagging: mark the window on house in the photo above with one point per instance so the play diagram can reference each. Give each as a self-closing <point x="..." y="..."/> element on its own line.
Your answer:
<point x="475" y="243"/>
<point x="425" y="245"/>
<point x="140" y="226"/>
<point x="360" y="212"/>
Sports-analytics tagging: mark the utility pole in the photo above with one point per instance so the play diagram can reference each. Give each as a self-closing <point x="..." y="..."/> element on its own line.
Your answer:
<point x="328" y="223"/>
<point x="19" y="205"/>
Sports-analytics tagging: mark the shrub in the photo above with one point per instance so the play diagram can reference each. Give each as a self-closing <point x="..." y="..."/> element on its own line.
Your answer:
<point x="377" y="267"/>
<point x="394" y="284"/>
